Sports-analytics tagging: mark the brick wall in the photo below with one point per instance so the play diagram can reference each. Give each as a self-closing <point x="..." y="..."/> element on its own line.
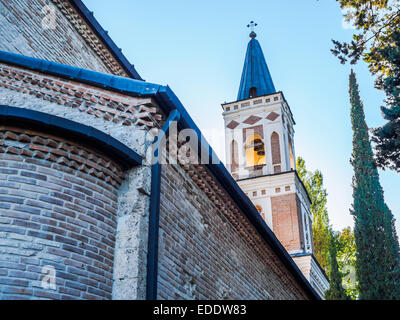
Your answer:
<point x="125" y="118"/>
<point x="208" y="250"/>
<point x="58" y="205"/>
<point x="286" y="219"/>
<point x="202" y="231"/>
<point x="21" y="32"/>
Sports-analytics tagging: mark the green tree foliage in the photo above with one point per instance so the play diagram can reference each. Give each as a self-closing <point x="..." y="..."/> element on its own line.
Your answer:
<point x="346" y="257"/>
<point x="313" y="181"/>
<point x="323" y="234"/>
<point x="377" y="263"/>
<point x="336" y="290"/>
<point x="377" y="42"/>
<point x="387" y="137"/>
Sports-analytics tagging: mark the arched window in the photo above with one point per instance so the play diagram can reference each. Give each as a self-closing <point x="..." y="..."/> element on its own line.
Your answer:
<point x="276" y="152"/>
<point x="253" y="92"/>
<point x="275" y="148"/>
<point x="234" y="156"/>
<point x="255" y="151"/>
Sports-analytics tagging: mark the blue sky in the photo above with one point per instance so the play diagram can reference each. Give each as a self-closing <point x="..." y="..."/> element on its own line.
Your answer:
<point x="198" y="49"/>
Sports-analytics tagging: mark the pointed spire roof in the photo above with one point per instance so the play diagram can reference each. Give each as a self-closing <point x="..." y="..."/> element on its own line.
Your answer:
<point x="255" y="72"/>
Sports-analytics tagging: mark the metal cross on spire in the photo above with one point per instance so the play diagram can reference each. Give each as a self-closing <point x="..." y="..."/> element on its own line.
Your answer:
<point x="252" y="25"/>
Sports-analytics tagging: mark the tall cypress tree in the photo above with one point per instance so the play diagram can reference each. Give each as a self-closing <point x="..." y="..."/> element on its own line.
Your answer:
<point x="377" y="266"/>
<point x="336" y="290"/>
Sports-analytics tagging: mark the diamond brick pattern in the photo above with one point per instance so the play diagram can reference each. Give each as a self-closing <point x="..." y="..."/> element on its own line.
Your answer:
<point x="273" y="116"/>
<point x="252" y="120"/>
<point x="232" y="125"/>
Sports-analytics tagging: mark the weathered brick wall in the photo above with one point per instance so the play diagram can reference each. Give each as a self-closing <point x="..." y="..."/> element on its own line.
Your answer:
<point x="125" y="118"/>
<point x="208" y="250"/>
<point x="21" y="32"/>
<point x="58" y="206"/>
<point x="286" y="218"/>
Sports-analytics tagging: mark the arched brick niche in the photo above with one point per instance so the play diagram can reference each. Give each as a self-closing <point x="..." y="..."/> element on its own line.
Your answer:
<point x="58" y="206"/>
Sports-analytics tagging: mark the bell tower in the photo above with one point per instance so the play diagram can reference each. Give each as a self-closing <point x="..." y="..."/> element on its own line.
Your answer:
<point x="260" y="155"/>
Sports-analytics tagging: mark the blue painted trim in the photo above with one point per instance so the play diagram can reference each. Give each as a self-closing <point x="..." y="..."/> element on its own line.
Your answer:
<point x="73" y="130"/>
<point x="154" y="216"/>
<point x="87" y="15"/>
<point x="168" y="102"/>
<point x="106" y="81"/>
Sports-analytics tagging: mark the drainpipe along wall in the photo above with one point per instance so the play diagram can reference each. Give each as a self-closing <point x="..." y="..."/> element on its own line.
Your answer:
<point x="154" y="216"/>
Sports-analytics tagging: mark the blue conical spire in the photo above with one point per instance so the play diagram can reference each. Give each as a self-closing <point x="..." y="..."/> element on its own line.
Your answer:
<point x="255" y="73"/>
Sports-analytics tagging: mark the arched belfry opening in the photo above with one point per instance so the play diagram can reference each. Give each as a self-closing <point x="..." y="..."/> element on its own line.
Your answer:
<point x="255" y="151"/>
<point x="253" y="92"/>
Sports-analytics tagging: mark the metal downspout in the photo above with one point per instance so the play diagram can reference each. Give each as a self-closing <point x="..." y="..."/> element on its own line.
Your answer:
<point x="154" y="216"/>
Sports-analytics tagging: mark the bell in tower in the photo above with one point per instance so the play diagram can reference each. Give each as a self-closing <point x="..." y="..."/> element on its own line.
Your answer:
<point x="259" y="140"/>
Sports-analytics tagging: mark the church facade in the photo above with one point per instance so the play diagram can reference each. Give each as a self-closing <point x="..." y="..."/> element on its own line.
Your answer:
<point x="86" y="212"/>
